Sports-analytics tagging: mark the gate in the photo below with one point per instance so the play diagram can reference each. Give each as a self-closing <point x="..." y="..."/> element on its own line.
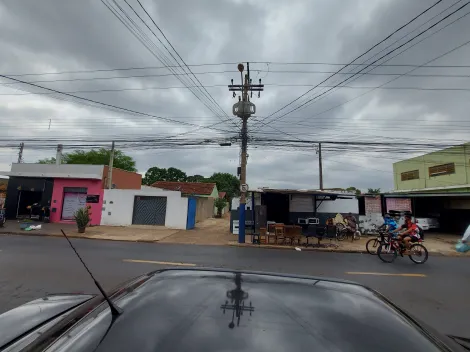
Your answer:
<point x="149" y="210"/>
<point x="191" y="221"/>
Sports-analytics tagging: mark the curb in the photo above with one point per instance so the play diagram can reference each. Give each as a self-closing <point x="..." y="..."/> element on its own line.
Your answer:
<point x="231" y="244"/>
<point x="39" y="234"/>
<point x="331" y="250"/>
<point x="247" y="245"/>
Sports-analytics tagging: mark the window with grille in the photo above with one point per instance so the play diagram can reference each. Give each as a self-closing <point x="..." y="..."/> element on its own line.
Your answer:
<point x="444" y="169"/>
<point x="410" y="175"/>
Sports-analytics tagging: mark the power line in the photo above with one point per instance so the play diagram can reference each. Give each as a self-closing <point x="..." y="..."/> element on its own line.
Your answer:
<point x="205" y="98"/>
<point x="356" y="73"/>
<point x="225" y="71"/>
<point x="85" y="79"/>
<point x="358" y="57"/>
<point x="147" y="42"/>
<point x="435" y="89"/>
<point x="81" y="99"/>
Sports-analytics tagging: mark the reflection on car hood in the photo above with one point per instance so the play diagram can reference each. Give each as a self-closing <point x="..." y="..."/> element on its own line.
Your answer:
<point x="199" y="310"/>
<point x="23" y="318"/>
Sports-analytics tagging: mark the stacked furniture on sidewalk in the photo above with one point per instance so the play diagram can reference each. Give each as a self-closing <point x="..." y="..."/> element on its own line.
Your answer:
<point x="282" y="234"/>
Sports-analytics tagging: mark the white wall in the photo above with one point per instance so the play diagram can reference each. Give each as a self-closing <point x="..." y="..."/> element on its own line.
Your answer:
<point x="120" y="205"/>
<point x="339" y="206"/>
<point x="236" y="201"/>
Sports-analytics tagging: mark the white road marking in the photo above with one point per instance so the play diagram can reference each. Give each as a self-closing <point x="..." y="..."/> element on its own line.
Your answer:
<point x="383" y="274"/>
<point x="157" y="262"/>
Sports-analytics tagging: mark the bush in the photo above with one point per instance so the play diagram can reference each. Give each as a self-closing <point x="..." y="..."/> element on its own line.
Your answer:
<point x="82" y="217"/>
<point x="220" y="203"/>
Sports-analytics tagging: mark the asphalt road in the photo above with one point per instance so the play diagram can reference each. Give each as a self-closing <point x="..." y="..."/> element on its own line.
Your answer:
<point x="437" y="292"/>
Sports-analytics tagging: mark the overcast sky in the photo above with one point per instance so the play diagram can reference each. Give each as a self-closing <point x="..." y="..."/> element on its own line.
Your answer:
<point x="50" y="36"/>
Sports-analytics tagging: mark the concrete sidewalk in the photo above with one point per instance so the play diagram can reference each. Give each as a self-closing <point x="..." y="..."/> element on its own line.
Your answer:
<point x="213" y="232"/>
<point x="441" y="244"/>
<point x="134" y="233"/>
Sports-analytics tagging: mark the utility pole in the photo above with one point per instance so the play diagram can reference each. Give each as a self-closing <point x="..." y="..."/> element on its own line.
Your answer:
<point x="110" y="167"/>
<point x="320" y="167"/>
<point x="58" y="157"/>
<point x="20" y="153"/>
<point x="244" y="109"/>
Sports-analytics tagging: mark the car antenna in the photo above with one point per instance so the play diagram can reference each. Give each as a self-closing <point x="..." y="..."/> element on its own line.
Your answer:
<point x="115" y="310"/>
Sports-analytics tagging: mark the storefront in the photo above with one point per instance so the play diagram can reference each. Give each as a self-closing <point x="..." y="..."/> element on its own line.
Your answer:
<point x="69" y="195"/>
<point x="23" y="192"/>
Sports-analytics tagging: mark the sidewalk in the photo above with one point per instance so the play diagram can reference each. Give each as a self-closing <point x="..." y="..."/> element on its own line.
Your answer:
<point x="441" y="244"/>
<point x="133" y="233"/>
<point x="213" y="232"/>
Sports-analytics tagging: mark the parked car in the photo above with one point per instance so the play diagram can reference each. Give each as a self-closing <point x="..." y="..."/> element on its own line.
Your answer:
<point x="427" y="223"/>
<point x="217" y="310"/>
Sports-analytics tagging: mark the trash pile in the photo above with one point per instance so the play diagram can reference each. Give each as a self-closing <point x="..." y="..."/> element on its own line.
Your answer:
<point x="464" y="244"/>
<point x="33" y="227"/>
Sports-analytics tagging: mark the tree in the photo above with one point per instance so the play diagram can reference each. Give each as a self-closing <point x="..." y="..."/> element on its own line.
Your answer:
<point x="47" y="161"/>
<point x="373" y="190"/>
<point x="226" y="183"/>
<point x="96" y="157"/>
<point x="155" y="174"/>
<point x="220" y="203"/>
<point x="175" y="175"/>
<point x="196" y="178"/>
<point x="353" y="190"/>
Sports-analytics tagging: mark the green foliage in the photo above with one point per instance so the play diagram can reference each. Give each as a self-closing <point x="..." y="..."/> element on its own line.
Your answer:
<point x="155" y="174"/>
<point x="47" y="161"/>
<point x="82" y="217"/>
<point x="96" y="157"/>
<point x="354" y="190"/>
<point x="226" y="183"/>
<point x="373" y="190"/>
<point x="175" y="175"/>
<point x="220" y="203"/>
<point x="196" y="178"/>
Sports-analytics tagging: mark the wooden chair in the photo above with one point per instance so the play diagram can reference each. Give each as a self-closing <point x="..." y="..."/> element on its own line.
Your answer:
<point x="297" y="235"/>
<point x="279" y="233"/>
<point x="263" y="237"/>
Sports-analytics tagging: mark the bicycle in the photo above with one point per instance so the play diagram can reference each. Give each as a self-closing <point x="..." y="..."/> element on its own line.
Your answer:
<point x="388" y="252"/>
<point x="343" y="231"/>
<point x="373" y="244"/>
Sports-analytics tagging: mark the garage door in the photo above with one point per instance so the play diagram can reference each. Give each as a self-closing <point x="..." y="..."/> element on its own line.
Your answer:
<point x="149" y="210"/>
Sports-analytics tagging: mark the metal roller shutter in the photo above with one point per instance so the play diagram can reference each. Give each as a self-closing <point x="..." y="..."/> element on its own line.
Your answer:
<point x="149" y="210"/>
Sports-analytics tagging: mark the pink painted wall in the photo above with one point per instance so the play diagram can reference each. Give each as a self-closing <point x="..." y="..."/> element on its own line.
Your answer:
<point x="94" y="188"/>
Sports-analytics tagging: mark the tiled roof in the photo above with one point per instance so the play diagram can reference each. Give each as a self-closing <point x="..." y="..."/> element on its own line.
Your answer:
<point x="222" y="194"/>
<point x="186" y="187"/>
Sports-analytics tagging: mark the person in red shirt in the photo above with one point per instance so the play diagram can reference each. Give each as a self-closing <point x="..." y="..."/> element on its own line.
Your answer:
<point x="410" y="232"/>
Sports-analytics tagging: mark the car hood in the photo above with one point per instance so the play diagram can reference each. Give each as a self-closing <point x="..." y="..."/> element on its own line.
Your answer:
<point x="214" y="310"/>
<point x="22" y="319"/>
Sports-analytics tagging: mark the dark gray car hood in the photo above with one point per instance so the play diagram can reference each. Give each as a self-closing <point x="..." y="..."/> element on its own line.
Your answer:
<point x="22" y="319"/>
<point x="193" y="310"/>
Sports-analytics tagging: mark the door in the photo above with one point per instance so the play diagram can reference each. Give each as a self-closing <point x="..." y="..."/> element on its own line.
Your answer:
<point x="191" y="221"/>
<point x="149" y="210"/>
<point x="72" y="202"/>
